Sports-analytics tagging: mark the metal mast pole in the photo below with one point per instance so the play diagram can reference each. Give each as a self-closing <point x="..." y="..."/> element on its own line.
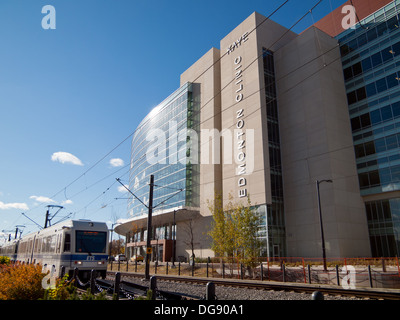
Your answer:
<point x="148" y="243"/>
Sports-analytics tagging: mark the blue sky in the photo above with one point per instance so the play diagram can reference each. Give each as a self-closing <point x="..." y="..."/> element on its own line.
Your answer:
<point x="81" y="89"/>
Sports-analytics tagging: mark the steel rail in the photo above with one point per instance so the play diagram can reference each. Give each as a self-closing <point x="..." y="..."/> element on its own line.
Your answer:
<point x="371" y="293"/>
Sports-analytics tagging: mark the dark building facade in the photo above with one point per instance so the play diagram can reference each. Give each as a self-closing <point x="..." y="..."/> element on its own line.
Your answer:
<point x="370" y="54"/>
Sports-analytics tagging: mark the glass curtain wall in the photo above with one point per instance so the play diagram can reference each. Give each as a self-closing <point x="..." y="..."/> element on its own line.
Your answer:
<point x="161" y="147"/>
<point x="371" y="68"/>
<point x="274" y="218"/>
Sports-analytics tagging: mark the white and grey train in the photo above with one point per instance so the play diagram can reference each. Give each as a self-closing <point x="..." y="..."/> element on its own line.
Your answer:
<point x="81" y="244"/>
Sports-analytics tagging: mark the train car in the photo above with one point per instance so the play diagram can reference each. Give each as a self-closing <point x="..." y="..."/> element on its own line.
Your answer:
<point x="81" y="244"/>
<point x="10" y="249"/>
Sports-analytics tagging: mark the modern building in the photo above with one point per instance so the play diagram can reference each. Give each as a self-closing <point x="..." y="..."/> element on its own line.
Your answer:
<point x="273" y="114"/>
<point x="370" y="57"/>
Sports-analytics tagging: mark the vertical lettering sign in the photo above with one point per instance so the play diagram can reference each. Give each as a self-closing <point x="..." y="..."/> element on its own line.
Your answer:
<point x="239" y="133"/>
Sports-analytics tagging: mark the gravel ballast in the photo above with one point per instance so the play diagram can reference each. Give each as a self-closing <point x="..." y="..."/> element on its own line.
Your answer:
<point x="231" y="293"/>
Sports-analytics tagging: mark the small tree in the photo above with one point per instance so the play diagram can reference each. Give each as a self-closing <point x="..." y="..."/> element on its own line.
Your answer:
<point x="219" y="228"/>
<point x="117" y="247"/>
<point x="189" y="239"/>
<point x="247" y="222"/>
<point x="234" y="230"/>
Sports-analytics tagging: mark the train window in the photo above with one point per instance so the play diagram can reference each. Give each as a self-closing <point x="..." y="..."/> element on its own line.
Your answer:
<point x="43" y="241"/>
<point x="91" y="241"/>
<point x="58" y="243"/>
<point x="38" y="245"/>
<point x="48" y="242"/>
<point x="52" y="243"/>
<point x="67" y="242"/>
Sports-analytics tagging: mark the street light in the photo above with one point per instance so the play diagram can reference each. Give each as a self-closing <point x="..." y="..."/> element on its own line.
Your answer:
<point x="320" y="221"/>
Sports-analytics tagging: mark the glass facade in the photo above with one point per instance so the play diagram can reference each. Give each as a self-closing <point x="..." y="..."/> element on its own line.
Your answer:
<point x="371" y="68"/>
<point x="162" y="146"/>
<point x="274" y="233"/>
<point x="384" y="225"/>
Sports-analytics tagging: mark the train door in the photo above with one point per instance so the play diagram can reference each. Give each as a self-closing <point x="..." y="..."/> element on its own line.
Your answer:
<point x="32" y="249"/>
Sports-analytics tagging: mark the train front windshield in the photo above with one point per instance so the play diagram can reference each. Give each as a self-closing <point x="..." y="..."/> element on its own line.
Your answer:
<point x="90" y="242"/>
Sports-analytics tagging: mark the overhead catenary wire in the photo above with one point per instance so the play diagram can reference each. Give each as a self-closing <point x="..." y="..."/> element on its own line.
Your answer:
<point x="287" y="90"/>
<point x="335" y="47"/>
<point x="64" y="189"/>
<point x="358" y="19"/>
<point x="130" y="135"/>
<point x="261" y="55"/>
<point x="258" y="57"/>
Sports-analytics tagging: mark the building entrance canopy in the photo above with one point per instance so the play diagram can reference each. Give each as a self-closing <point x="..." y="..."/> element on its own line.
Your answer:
<point x="159" y="217"/>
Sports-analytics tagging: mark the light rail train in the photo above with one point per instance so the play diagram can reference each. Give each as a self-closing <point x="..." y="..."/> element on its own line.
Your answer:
<point x="81" y="244"/>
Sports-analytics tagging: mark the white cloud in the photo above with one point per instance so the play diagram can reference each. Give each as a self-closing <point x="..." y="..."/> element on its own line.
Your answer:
<point x="15" y="205"/>
<point x="122" y="189"/>
<point x="42" y="199"/>
<point x="65" y="157"/>
<point x="117" y="162"/>
<point x="67" y="202"/>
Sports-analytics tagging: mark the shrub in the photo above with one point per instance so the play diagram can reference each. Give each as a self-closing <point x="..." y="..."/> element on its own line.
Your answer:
<point x="90" y="296"/>
<point x="21" y="282"/>
<point x="63" y="290"/>
<point x="149" y="296"/>
<point x="4" y="260"/>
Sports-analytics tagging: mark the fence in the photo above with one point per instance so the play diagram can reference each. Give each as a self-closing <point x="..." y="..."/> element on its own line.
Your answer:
<point x="346" y="272"/>
<point x="129" y="290"/>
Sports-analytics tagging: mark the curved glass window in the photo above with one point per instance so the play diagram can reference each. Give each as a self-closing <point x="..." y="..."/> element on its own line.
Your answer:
<point x="162" y="146"/>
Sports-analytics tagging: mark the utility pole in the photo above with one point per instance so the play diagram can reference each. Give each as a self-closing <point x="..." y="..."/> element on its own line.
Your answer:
<point x="148" y="243"/>
<point x="149" y="226"/>
<point x="150" y="208"/>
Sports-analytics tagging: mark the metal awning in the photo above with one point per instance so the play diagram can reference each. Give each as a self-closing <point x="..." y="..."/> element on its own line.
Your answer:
<point x="159" y="218"/>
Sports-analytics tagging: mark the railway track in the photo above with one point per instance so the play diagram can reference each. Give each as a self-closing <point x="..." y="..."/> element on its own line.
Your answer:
<point x="365" y="293"/>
